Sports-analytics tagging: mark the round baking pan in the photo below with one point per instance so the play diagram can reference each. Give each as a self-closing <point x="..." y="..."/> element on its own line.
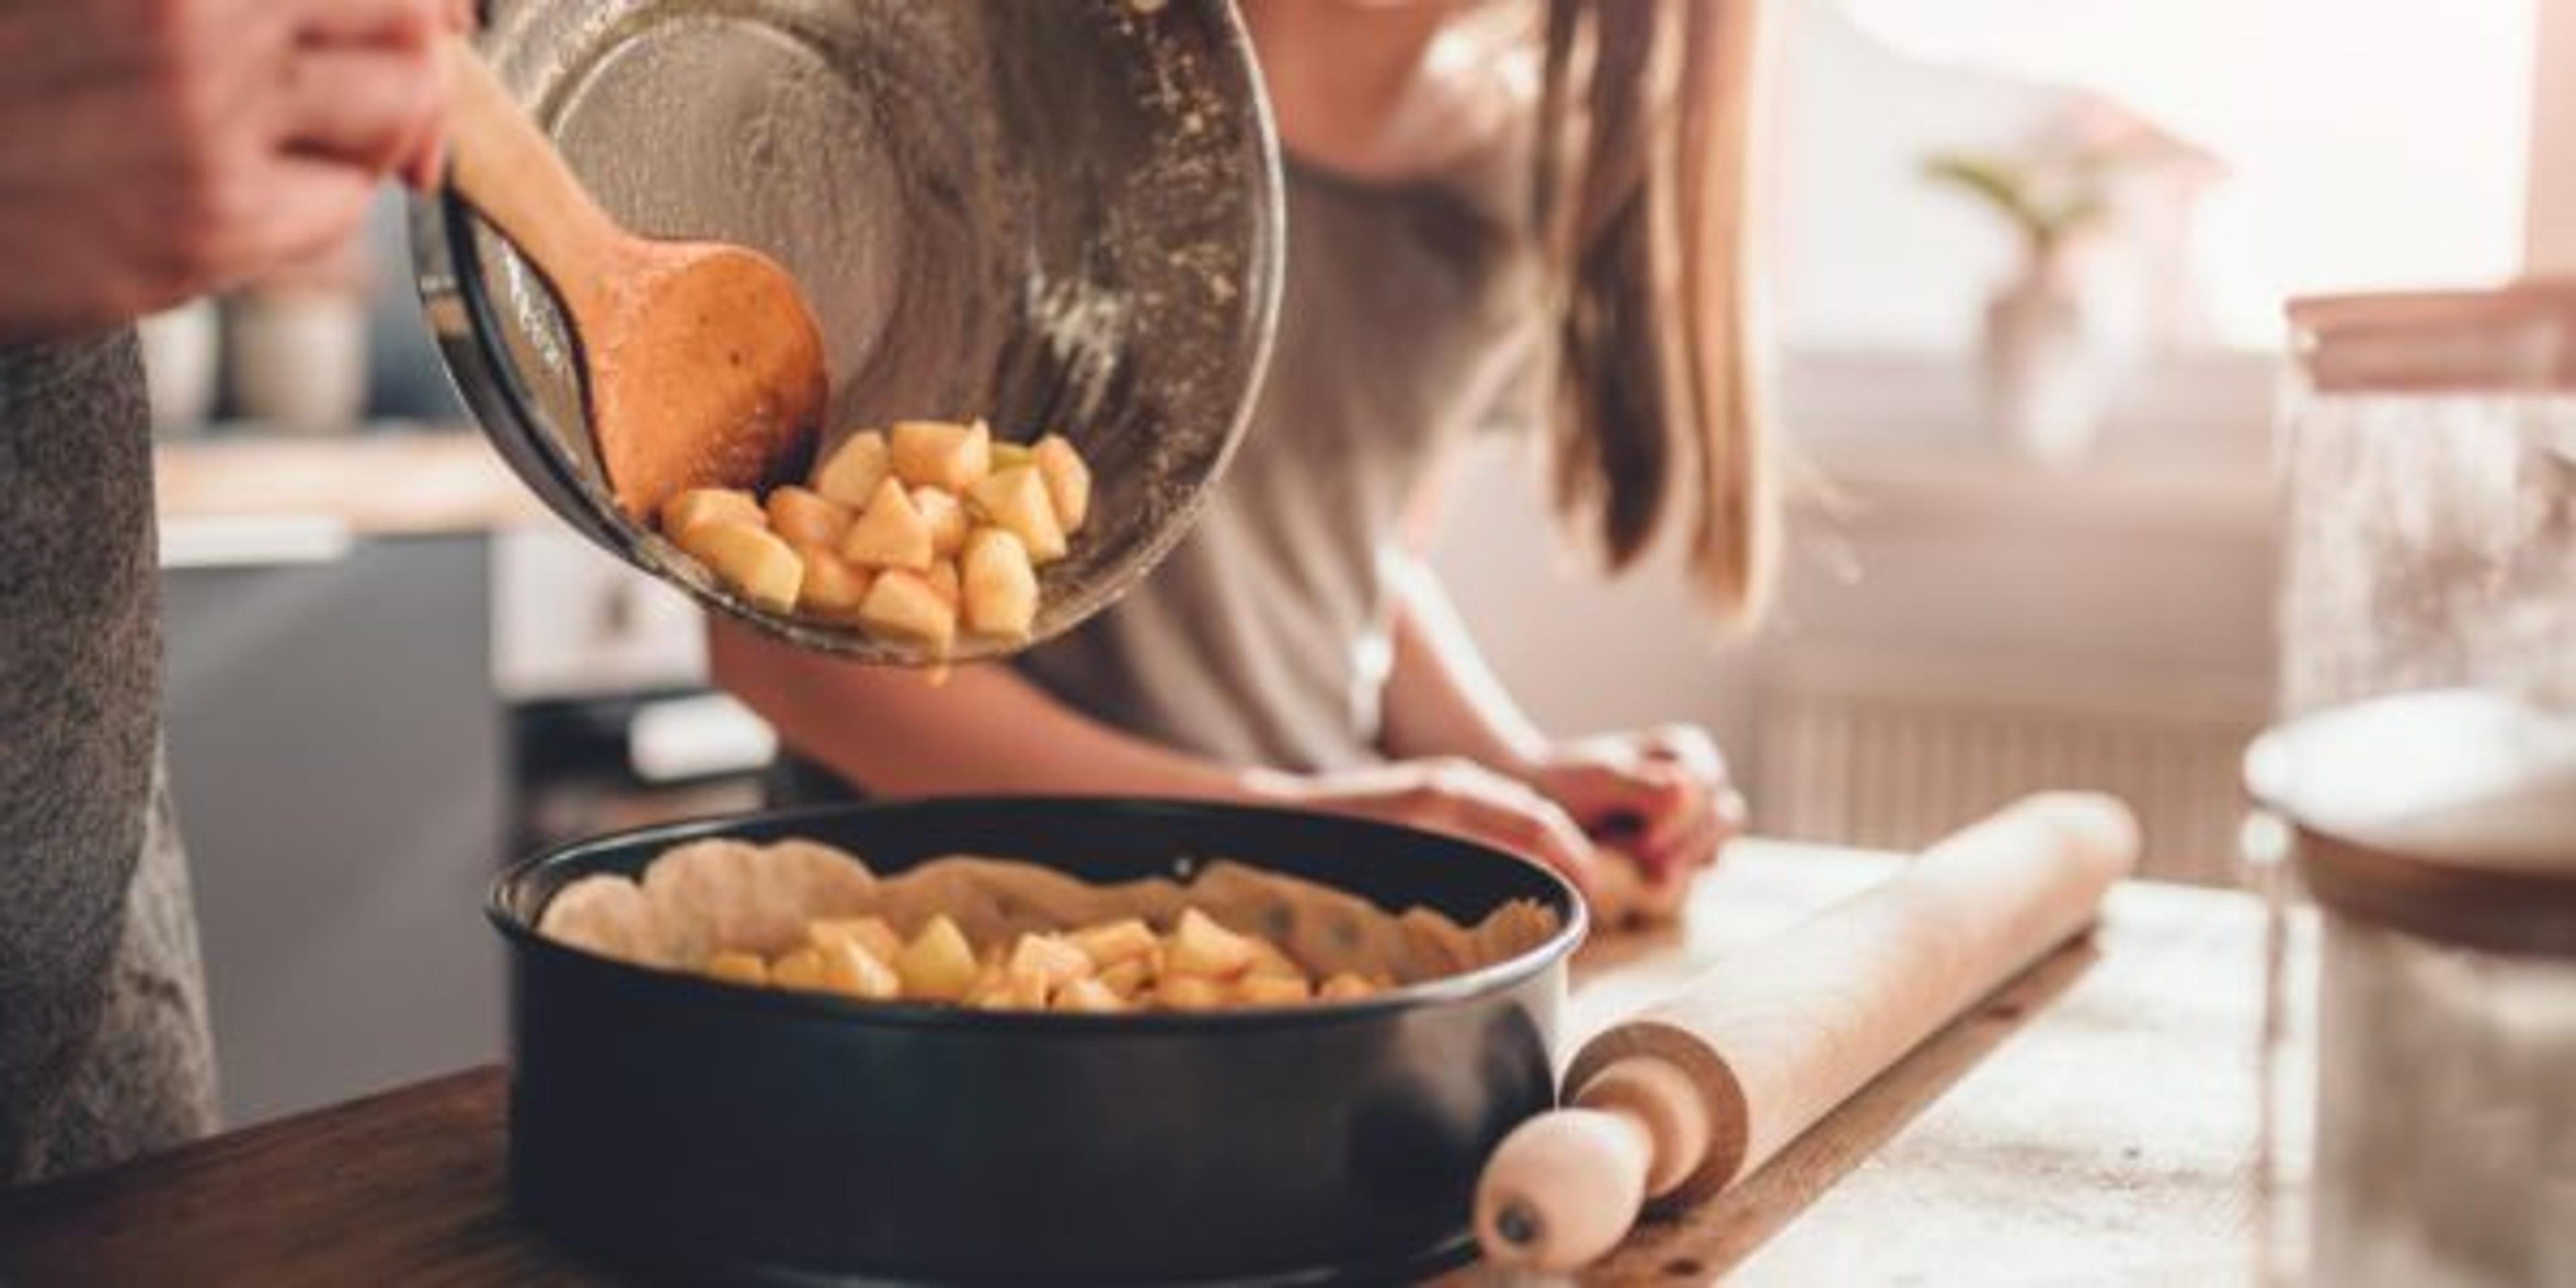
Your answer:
<point x="692" y="1128"/>
<point x="1062" y="217"/>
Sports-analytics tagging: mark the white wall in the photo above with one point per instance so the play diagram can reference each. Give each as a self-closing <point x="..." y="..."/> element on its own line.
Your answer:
<point x="2550" y="232"/>
<point x="1866" y="253"/>
<point x="1942" y="562"/>
<point x="1583" y="655"/>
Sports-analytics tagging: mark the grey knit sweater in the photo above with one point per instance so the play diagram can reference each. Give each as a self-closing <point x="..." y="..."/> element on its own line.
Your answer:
<point x="103" y="1041"/>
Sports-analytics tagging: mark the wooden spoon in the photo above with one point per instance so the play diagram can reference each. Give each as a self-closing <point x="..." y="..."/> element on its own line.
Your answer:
<point x="701" y="364"/>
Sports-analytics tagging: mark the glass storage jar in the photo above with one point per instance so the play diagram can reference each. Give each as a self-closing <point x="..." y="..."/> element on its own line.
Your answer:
<point x="2426" y="781"/>
<point x="2429" y="446"/>
<point x="2437" y="832"/>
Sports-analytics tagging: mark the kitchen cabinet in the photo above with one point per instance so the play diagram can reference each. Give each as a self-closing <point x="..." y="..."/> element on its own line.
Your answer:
<point x="340" y="767"/>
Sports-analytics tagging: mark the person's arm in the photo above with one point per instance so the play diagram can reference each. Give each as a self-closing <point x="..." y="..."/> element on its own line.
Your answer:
<point x="1442" y="699"/>
<point x="151" y="153"/>
<point x="1352" y="90"/>
<point x="1661" y="795"/>
<point x="988" y="730"/>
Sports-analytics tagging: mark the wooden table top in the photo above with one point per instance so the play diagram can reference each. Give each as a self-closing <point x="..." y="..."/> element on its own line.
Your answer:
<point x="2096" y="1121"/>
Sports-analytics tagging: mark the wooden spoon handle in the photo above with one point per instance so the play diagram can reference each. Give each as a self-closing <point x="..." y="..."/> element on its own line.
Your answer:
<point x="510" y="172"/>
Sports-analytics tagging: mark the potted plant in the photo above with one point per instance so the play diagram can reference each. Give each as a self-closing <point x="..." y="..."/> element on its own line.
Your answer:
<point x="2041" y="378"/>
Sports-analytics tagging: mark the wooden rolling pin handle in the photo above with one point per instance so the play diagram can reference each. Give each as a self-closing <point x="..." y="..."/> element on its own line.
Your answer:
<point x="1564" y="1188"/>
<point x="1766" y="1043"/>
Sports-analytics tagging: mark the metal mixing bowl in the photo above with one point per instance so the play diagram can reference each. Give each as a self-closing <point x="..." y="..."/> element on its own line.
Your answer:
<point x="1059" y="216"/>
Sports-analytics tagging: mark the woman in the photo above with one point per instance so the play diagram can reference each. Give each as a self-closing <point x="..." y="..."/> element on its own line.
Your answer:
<point x="1499" y="214"/>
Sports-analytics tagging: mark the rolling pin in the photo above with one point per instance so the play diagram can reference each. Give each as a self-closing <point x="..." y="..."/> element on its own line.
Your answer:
<point x="1681" y="1101"/>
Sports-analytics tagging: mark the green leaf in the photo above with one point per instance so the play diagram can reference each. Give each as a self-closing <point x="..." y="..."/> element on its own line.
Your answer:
<point x="1995" y="182"/>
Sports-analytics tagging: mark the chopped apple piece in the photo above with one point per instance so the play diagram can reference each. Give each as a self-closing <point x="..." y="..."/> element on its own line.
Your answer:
<point x="1113" y="942"/>
<point x="851" y="474"/>
<point x="1089" y="997"/>
<point x="850" y="969"/>
<point x="1068" y="480"/>
<point x="905" y="606"/>
<point x="1270" y="990"/>
<point x="1017" y="499"/>
<point x="738" y="968"/>
<point x="1040" y="964"/>
<point x="1199" y="946"/>
<point x="1267" y="959"/>
<point x="996" y="990"/>
<point x="833" y="588"/>
<point x="708" y="505"/>
<point x="889" y="533"/>
<point x="802" y="968"/>
<point x="938" y="965"/>
<point x="1127" y="978"/>
<point x="930" y="453"/>
<point x="1000" y="585"/>
<point x="946" y="517"/>
<point x="1006" y="455"/>
<point x="946" y="582"/>
<point x="1346" y="987"/>
<point x="751" y="559"/>
<point x="1189" y="993"/>
<point x="870" y="933"/>
<point x="808" y="518"/>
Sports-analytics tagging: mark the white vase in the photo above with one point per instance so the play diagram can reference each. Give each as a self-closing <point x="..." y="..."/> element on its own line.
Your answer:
<point x="181" y="350"/>
<point x="2043" y="380"/>
<point x="299" y="359"/>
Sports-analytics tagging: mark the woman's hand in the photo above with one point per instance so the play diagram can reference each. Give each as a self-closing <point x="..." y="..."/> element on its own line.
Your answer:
<point x="1457" y="797"/>
<point x="1659" y="795"/>
<point x="153" y="150"/>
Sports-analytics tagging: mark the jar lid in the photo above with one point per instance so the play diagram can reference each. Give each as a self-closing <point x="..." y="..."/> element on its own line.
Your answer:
<point x="2448" y="814"/>
<point x="2520" y="336"/>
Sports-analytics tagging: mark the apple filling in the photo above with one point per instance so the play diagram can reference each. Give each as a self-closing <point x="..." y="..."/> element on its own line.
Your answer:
<point x="1002" y="935"/>
<point x="916" y="536"/>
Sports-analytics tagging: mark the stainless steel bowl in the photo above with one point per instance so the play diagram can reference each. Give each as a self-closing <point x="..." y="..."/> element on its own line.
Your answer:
<point x="1060" y="216"/>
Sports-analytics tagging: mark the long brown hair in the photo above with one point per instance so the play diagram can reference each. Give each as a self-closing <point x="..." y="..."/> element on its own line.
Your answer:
<point x="1644" y="203"/>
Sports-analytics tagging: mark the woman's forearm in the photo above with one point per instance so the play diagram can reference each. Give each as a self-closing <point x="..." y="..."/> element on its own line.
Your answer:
<point x="986" y="730"/>
<point x="989" y="730"/>
<point x="1441" y="697"/>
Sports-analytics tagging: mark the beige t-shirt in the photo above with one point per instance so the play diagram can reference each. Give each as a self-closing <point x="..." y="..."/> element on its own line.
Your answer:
<point x="1409" y="319"/>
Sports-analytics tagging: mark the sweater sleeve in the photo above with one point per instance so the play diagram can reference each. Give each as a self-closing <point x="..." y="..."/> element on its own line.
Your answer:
<point x="79" y="699"/>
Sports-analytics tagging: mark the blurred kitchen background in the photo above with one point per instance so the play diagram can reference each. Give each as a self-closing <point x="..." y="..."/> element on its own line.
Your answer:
<point x="2029" y="260"/>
